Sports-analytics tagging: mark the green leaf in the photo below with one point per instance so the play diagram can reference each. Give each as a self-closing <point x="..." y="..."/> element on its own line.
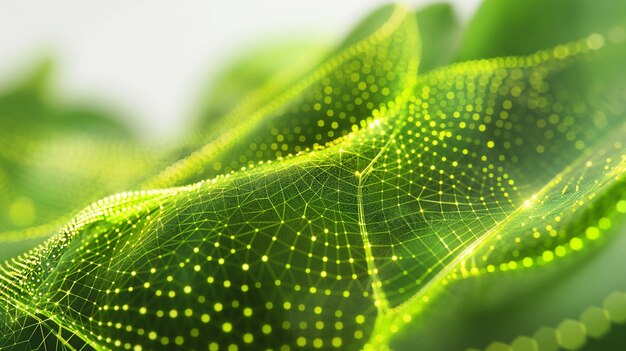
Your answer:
<point x="57" y="158"/>
<point x="439" y="33"/>
<point x="348" y="208"/>
<point x="330" y="101"/>
<point x="520" y="27"/>
<point x="271" y="65"/>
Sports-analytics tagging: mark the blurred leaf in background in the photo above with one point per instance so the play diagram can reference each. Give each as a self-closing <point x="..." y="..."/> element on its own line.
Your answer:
<point x="56" y="158"/>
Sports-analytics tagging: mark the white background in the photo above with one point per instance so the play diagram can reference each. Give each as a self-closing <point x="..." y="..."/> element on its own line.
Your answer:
<point x="149" y="60"/>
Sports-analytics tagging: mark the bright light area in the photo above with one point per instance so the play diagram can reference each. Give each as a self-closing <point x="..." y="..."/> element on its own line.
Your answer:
<point x="151" y="60"/>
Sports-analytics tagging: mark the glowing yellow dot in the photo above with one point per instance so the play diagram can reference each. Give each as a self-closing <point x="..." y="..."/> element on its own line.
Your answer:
<point x="247" y="311"/>
<point x="22" y="211"/>
<point x="318" y="343"/>
<point x="527" y="262"/>
<point x="227" y="327"/>
<point x="248" y="338"/>
<point x="595" y="41"/>
<point x="336" y="342"/>
<point x="301" y="341"/>
<point x="592" y="233"/>
<point x="547" y="256"/>
<point x="490" y="144"/>
<point x="604" y="223"/>
<point x="576" y="244"/>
